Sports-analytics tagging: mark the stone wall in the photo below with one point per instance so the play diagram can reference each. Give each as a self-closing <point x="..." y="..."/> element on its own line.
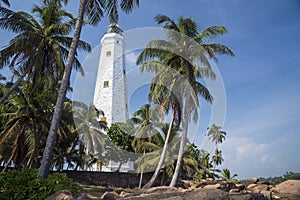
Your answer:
<point x="110" y="179"/>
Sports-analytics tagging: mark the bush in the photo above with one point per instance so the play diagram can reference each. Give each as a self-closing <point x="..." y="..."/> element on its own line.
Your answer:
<point x="27" y="184"/>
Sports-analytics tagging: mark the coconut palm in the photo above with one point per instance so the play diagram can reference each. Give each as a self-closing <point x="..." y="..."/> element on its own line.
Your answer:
<point x="226" y="175"/>
<point x="94" y="10"/>
<point x="41" y="45"/>
<point x="181" y="53"/>
<point x="146" y="120"/>
<point x="217" y="157"/>
<point x="154" y="148"/>
<point x="89" y="126"/>
<point x="25" y="122"/>
<point x="205" y="170"/>
<point x="168" y="99"/>
<point x="216" y="134"/>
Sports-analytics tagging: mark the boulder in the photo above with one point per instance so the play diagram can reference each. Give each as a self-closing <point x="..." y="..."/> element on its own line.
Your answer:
<point x="160" y="189"/>
<point x="262" y="187"/>
<point x="267" y="194"/>
<point x="240" y="186"/>
<point x="288" y="189"/>
<point x="61" y="195"/>
<point x="84" y="196"/>
<point x="110" y="196"/>
<point x="249" y="196"/>
<point x="206" y="194"/>
<point x="123" y="194"/>
<point x="234" y="191"/>
<point x="215" y="186"/>
<point x="252" y="180"/>
<point x="252" y="185"/>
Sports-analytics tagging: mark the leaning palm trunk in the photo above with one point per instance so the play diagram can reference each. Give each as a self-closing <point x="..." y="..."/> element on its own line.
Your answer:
<point x="47" y="156"/>
<point x="163" y="155"/>
<point x="14" y="86"/>
<point x="142" y="172"/>
<point x="181" y="149"/>
<point x="189" y="106"/>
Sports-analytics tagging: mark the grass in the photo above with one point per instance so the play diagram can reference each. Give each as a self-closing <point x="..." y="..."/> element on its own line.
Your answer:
<point x="93" y="190"/>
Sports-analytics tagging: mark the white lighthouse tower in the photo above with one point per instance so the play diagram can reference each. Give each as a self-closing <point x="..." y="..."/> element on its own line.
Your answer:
<point x="110" y="94"/>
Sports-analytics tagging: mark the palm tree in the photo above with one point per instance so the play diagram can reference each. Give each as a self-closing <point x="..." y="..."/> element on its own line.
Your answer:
<point x="205" y="165"/>
<point x="168" y="99"/>
<point x="154" y="148"/>
<point x="25" y="121"/>
<point x="226" y="175"/>
<point x="146" y="120"/>
<point x="181" y="54"/>
<point x="41" y="45"/>
<point x="92" y="130"/>
<point x="216" y="134"/>
<point x="217" y="158"/>
<point x="94" y="10"/>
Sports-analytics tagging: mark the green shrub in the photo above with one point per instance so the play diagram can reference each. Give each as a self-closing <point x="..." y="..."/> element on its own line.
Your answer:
<point x="27" y="184"/>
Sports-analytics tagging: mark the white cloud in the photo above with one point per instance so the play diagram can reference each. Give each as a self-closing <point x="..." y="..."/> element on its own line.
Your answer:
<point x="249" y="157"/>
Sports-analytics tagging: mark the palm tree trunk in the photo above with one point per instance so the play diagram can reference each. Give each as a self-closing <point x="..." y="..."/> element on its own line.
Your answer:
<point x="141" y="177"/>
<point x="47" y="156"/>
<point x="15" y="85"/>
<point x="180" y="153"/>
<point x="186" y="116"/>
<point x="163" y="177"/>
<point x="163" y="154"/>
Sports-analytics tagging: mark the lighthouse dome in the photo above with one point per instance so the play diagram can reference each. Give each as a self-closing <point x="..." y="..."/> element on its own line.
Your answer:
<point x="114" y="28"/>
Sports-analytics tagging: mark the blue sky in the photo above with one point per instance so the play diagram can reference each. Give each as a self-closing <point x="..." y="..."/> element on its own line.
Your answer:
<point x="261" y="82"/>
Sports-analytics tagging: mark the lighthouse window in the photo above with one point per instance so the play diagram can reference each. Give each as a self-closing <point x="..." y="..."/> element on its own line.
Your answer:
<point x="106" y="84"/>
<point x="108" y="53"/>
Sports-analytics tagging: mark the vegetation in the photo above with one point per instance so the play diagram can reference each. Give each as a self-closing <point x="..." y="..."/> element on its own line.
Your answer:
<point x="279" y="179"/>
<point x="27" y="184"/>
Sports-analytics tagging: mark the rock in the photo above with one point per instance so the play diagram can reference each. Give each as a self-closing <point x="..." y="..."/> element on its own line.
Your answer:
<point x="267" y="194"/>
<point x="262" y="187"/>
<point x="122" y="194"/>
<point x="252" y="185"/>
<point x="206" y="194"/>
<point x="110" y="196"/>
<point x="216" y="186"/>
<point x="249" y="196"/>
<point x="289" y="189"/>
<point x="235" y="190"/>
<point x="84" y="196"/>
<point x="263" y="182"/>
<point x="61" y="195"/>
<point x="188" y="184"/>
<point x="160" y="189"/>
<point x="240" y="186"/>
<point x="252" y="180"/>
<point x="227" y="186"/>
<point x="196" y="194"/>
<point x="240" y="196"/>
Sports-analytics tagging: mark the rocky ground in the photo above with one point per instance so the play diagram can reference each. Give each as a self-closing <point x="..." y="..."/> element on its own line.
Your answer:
<point x="203" y="190"/>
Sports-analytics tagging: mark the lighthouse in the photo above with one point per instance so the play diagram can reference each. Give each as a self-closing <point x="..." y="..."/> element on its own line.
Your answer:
<point x="110" y="93"/>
